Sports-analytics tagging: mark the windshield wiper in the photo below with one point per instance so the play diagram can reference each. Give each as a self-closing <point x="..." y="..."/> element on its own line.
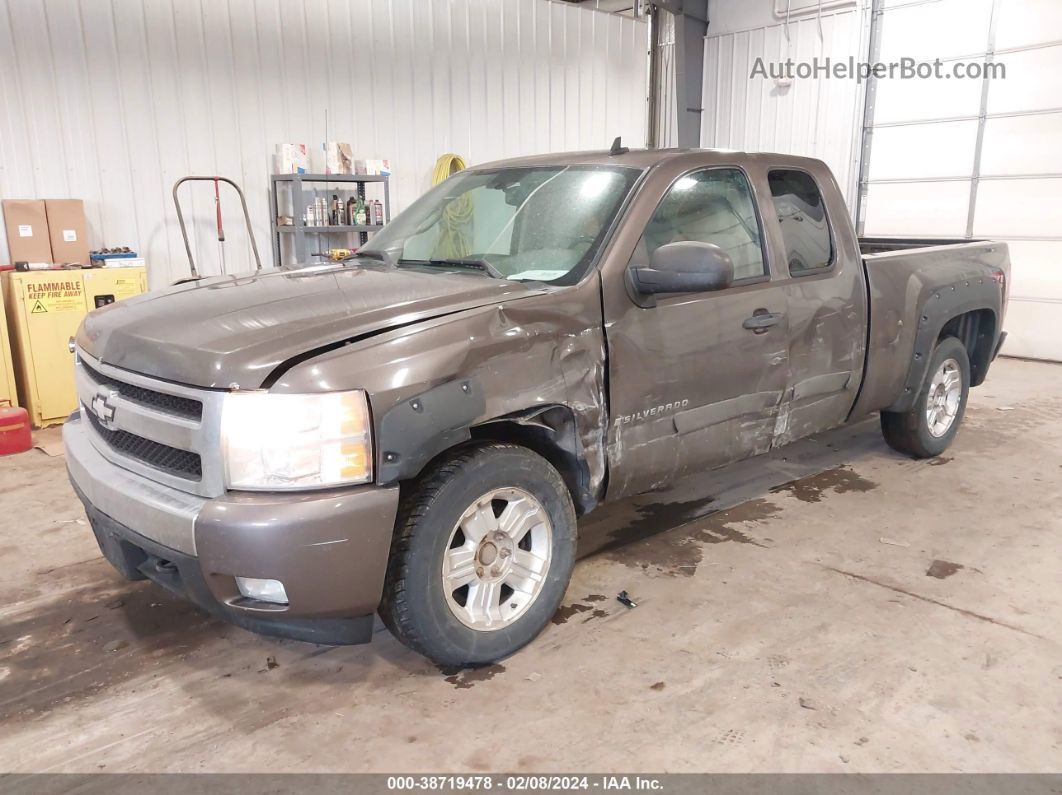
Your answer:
<point x="470" y="262"/>
<point x="377" y="255"/>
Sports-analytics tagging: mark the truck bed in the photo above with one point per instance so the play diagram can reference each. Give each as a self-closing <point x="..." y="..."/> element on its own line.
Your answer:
<point x="914" y="284"/>
<point x="869" y="246"/>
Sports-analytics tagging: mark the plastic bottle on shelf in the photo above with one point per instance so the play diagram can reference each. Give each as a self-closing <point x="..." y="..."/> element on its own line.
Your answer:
<point x="352" y="207"/>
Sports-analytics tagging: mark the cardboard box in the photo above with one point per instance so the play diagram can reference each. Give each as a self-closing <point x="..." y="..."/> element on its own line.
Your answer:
<point x="67" y="230"/>
<point x="291" y="159"/>
<point x="26" y="222"/>
<point x="338" y="158"/>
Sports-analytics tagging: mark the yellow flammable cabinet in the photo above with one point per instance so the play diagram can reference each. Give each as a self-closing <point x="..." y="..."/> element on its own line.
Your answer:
<point x="106" y="285"/>
<point x="8" y="392"/>
<point x="45" y="309"/>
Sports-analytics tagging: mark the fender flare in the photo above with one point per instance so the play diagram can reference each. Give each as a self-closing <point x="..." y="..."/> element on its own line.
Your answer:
<point x="416" y="430"/>
<point x="941" y="306"/>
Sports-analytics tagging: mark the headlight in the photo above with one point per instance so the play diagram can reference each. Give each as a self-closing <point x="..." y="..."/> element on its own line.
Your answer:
<point x="283" y="442"/>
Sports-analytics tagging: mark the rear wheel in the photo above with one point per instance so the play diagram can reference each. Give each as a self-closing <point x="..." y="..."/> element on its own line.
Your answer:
<point x="929" y="426"/>
<point x="483" y="552"/>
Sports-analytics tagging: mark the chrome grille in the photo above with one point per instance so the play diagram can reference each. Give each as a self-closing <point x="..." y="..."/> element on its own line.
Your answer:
<point x="181" y="406"/>
<point x="166" y="432"/>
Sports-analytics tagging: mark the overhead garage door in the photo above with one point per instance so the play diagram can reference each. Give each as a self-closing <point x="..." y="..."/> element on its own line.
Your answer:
<point x="975" y="158"/>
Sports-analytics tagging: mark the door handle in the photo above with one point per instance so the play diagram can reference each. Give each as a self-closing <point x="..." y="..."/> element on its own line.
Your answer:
<point x="761" y="320"/>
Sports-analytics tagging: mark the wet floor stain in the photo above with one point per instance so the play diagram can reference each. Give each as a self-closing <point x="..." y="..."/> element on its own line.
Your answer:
<point x="564" y="612"/>
<point x="464" y="678"/>
<point x="839" y="480"/>
<point x="677" y="550"/>
<point x="648" y="520"/>
<point x="942" y="569"/>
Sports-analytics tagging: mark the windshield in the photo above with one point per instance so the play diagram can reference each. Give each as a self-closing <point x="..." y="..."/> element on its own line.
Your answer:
<point x="533" y="224"/>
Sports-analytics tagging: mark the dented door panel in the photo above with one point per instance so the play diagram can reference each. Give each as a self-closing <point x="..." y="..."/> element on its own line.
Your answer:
<point x="827" y="312"/>
<point x="690" y="387"/>
<point x="827" y="344"/>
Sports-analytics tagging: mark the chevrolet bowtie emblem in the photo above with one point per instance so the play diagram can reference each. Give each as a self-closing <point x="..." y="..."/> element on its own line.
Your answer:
<point x="103" y="405"/>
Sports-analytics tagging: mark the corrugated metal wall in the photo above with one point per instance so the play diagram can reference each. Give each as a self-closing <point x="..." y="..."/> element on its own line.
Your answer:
<point x="811" y="117"/>
<point x="113" y="101"/>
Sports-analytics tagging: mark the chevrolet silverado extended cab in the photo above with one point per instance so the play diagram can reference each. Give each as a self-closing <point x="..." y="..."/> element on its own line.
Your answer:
<point x="415" y="431"/>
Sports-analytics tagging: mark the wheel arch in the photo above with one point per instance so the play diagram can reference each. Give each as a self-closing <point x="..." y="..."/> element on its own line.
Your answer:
<point x="971" y="318"/>
<point x="976" y="330"/>
<point x="549" y="430"/>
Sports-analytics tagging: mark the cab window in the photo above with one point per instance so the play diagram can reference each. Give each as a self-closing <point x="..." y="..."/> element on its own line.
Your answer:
<point x="802" y="216"/>
<point x="709" y="206"/>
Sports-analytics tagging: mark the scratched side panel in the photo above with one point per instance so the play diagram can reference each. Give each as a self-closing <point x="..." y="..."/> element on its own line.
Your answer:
<point x="692" y="349"/>
<point x="691" y="388"/>
<point x="537" y="351"/>
<point x="827" y="319"/>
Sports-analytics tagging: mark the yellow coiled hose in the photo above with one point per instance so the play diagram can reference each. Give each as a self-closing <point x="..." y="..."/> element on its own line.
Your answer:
<point x="455" y="238"/>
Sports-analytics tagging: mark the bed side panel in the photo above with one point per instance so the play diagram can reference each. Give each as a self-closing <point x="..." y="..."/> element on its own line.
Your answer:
<point x="913" y="294"/>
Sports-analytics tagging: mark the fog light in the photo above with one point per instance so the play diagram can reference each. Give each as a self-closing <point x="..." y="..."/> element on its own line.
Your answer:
<point x="263" y="590"/>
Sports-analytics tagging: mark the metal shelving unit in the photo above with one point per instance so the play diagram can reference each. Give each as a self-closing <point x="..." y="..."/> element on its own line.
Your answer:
<point x="299" y="195"/>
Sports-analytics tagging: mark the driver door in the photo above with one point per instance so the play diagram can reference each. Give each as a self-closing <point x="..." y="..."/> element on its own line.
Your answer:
<point x="696" y="380"/>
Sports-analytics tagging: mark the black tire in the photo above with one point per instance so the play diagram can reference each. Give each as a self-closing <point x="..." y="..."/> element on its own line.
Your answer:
<point x="908" y="432"/>
<point x="415" y="606"/>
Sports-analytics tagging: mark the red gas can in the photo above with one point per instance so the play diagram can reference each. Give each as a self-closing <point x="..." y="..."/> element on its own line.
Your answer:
<point x="15" y="436"/>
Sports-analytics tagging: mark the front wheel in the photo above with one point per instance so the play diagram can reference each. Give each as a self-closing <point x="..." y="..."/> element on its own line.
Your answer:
<point x="929" y="426"/>
<point x="482" y="555"/>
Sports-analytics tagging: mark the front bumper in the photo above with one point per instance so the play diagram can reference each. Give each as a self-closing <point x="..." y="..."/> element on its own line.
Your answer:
<point x="329" y="548"/>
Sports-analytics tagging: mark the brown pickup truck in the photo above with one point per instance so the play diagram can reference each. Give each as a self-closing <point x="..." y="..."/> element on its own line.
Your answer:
<point x="416" y="430"/>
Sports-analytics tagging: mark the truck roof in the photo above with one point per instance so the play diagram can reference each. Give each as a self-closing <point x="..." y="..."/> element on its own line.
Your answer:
<point x="647" y="158"/>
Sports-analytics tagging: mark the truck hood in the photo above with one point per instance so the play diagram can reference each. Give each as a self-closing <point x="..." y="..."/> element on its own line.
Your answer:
<point x="236" y="330"/>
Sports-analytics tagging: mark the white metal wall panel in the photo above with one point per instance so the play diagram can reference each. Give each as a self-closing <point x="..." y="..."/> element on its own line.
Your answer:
<point x="927" y="175"/>
<point x="111" y="102"/>
<point x="810" y="117"/>
<point x="923" y="209"/>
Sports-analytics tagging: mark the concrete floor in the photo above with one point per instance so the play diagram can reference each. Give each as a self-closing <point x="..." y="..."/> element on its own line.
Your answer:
<point x="854" y="611"/>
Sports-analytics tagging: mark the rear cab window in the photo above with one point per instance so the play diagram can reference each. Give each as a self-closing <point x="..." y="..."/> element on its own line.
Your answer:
<point x="801" y="214"/>
<point x="712" y="205"/>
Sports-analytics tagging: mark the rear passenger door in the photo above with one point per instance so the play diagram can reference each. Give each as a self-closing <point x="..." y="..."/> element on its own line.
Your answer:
<point x="826" y="300"/>
<point x="692" y="383"/>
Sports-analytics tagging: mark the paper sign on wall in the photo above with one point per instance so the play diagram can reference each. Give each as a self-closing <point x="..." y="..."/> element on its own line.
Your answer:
<point x="69" y="235"/>
<point x="25" y="230"/>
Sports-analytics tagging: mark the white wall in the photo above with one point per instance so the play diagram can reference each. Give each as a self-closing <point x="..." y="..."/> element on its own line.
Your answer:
<point x="733" y="16"/>
<point x="112" y="102"/>
<point x="978" y="158"/>
<point x="810" y="117"/>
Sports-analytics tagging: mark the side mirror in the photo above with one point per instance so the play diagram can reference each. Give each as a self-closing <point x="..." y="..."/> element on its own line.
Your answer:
<point x="685" y="267"/>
